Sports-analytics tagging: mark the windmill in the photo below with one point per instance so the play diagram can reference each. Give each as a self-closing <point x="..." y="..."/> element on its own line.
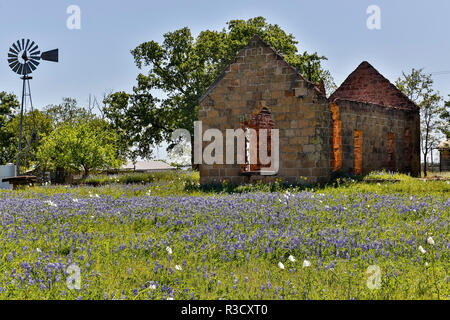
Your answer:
<point x="23" y="58"/>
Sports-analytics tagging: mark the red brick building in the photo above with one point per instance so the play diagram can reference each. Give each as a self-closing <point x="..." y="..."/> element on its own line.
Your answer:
<point x="367" y="124"/>
<point x="379" y="127"/>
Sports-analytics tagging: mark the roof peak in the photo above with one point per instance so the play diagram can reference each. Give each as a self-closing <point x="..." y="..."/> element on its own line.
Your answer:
<point x="366" y="84"/>
<point x="257" y="37"/>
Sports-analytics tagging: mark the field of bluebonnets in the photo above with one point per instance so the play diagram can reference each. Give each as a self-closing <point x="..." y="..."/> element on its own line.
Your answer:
<point x="166" y="238"/>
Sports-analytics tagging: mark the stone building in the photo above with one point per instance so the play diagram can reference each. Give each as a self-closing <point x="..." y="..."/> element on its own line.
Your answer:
<point x="375" y="126"/>
<point x="444" y="152"/>
<point x="367" y="124"/>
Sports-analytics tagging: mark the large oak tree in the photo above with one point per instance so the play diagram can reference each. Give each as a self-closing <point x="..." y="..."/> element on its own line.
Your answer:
<point x="176" y="72"/>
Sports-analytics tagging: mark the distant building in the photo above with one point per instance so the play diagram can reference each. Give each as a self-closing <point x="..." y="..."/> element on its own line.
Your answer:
<point x="146" y="166"/>
<point x="444" y="150"/>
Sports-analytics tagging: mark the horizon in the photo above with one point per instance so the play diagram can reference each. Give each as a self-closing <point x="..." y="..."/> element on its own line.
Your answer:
<point x="96" y="58"/>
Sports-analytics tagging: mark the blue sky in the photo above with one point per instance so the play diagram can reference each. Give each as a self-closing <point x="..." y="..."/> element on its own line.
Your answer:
<point x="97" y="59"/>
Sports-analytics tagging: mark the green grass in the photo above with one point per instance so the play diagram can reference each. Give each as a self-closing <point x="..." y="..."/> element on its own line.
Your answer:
<point x="128" y="273"/>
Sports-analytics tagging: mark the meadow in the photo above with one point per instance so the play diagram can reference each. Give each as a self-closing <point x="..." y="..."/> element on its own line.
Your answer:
<point x="162" y="236"/>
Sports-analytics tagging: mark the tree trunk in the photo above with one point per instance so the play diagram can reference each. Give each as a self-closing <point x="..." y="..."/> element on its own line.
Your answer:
<point x="432" y="163"/>
<point x="85" y="174"/>
<point x="425" y="164"/>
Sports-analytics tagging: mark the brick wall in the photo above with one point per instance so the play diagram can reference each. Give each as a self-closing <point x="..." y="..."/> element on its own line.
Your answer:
<point x="260" y="78"/>
<point x="385" y="133"/>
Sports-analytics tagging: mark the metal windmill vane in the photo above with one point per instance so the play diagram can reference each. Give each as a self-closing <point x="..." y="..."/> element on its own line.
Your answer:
<point x="23" y="58"/>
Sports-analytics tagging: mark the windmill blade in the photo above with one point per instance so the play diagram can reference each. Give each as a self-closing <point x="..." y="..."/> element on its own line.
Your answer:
<point x="13" y="51"/>
<point x="26" y="45"/>
<point x="30" y="65"/>
<point x="28" y="69"/>
<point x="11" y="60"/>
<point x="23" y="43"/>
<point x="51" y="55"/>
<point x="34" y="63"/>
<point x="20" y="70"/>
<point x="16" y="47"/>
<point x="12" y="65"/>
<point x="11" y="55"/>
<point x="36" y="55"/>
<point x="16" y="68"/>
<point x="34" y="49"/>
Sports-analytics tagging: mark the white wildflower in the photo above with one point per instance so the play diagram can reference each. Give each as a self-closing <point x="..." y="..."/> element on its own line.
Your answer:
<point x="280" y="265"/>
<point x="75" y="200"/>
<point x="430" y="241"/>
<point x="291" y="258"/>
<point x="169" y="250"/>
<point x="152" y="287"/>
<point x="50" y="203"/>
<point x="38" y="250"/>
<point x="178" y="267"/>
<point x="306" y="263"/>
<point x="422" y="250"/>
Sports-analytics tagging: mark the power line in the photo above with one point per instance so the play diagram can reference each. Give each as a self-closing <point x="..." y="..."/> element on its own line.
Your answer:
<point x="438" y="73"/>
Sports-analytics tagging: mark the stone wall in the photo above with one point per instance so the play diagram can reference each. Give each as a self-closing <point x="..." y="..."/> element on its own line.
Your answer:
<point x="259" y="78"/>
<point x="390" y="137"/>
<point x="444" y="160"/>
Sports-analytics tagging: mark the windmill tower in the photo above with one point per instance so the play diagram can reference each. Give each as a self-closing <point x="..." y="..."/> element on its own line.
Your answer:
<point x="23" y="58"/>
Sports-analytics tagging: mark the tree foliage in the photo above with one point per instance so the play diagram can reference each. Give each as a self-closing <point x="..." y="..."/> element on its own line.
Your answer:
<point x="67" y="112"/>
<point x="180" y="69"/>
<point x="418" y="86"/>
<point x="8" y="106"/>
<point x="36" y="124"/>
<point x="444" y="127"/>
<point x="88" y="145"/>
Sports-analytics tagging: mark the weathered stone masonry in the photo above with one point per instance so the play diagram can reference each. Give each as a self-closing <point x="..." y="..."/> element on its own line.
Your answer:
<point x="387" y="120"/>
<point x="377" y="124"/>
<point x="444" y="151"/>
<point x="260" y="78"/>
<point x="364" y="123"/>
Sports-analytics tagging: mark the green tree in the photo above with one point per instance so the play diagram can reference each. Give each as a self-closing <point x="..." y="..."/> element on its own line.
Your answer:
<point x="67" y="111"/>
<point x="86" y="146"/>
<point x="418" y="86"/>
<point x="444" y="125"/>
<point x="36" y="124"/>
<point x="8" y="106"/>
<point x="180" y="69"/>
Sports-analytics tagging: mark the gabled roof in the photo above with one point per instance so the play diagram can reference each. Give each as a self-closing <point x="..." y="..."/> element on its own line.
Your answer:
<point x="367" y="85"/>
<point x="258" y="38"/>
